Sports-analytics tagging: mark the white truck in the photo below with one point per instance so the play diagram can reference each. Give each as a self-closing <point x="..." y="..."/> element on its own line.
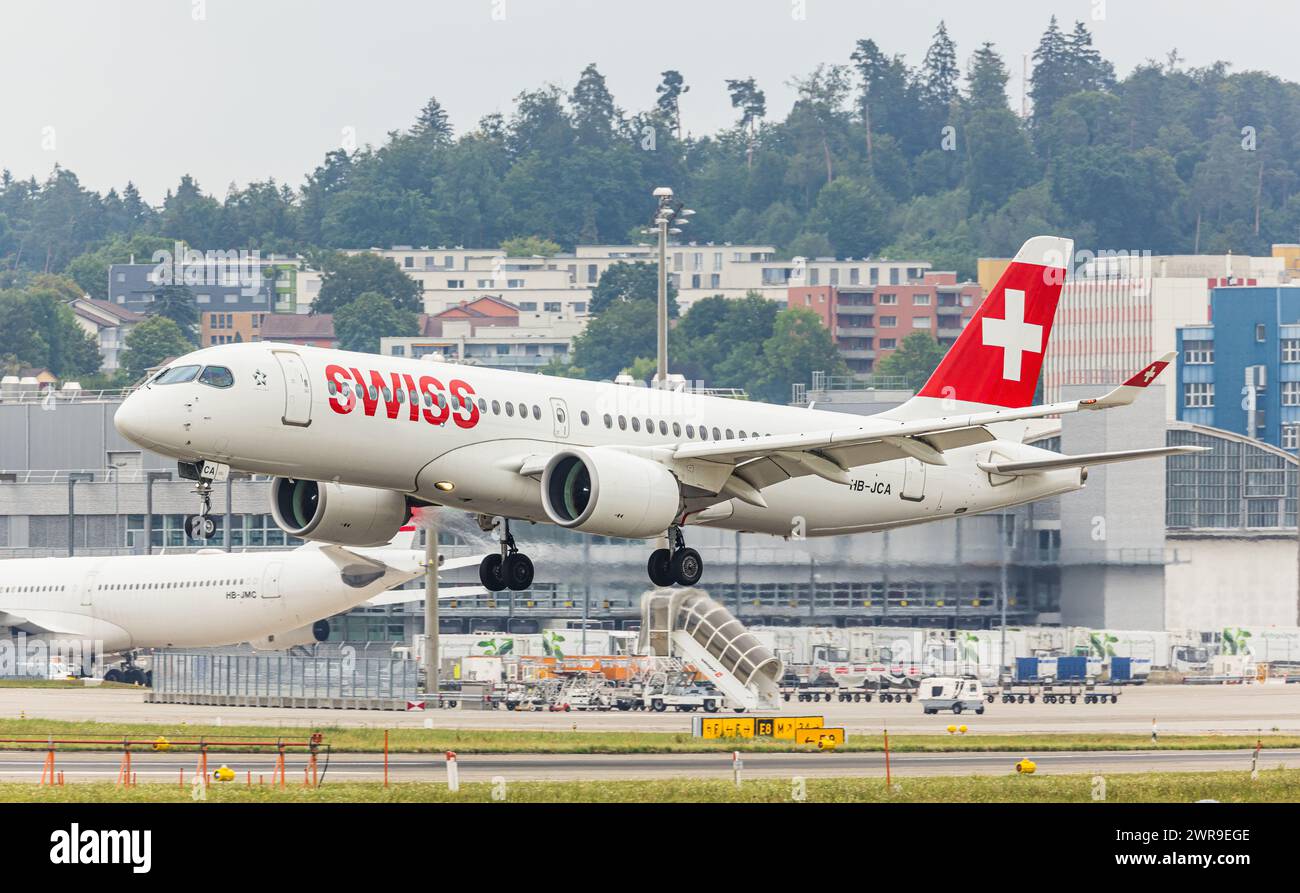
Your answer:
<point x="955" y="693"/>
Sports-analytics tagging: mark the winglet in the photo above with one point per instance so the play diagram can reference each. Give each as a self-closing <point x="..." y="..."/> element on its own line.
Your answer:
<point x="1129" y="390"/>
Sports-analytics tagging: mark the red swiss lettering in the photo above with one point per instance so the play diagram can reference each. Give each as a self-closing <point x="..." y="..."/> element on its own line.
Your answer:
<point x="459" y="390"/>
<point x="338" y="377"/>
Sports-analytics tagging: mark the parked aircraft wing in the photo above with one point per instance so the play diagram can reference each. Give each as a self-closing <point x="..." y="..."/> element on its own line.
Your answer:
<point x="406" y="596"/>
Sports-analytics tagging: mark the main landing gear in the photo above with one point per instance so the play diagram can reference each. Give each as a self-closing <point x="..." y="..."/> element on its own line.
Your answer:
<point x="511" y="569"/>
<point x="677" y="565"/>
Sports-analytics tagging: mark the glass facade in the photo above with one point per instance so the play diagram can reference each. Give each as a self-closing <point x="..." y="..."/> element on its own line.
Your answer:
<point x="1236" y="485"/>
<point x="246" y="531"/>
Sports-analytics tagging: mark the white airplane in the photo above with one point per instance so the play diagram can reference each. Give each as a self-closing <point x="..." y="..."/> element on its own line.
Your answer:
<point x="274" y="600"/>
<point x="358" y="439"/>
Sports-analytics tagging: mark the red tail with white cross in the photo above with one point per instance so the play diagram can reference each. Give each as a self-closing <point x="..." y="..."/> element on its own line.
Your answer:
<point x="996" y="359"/>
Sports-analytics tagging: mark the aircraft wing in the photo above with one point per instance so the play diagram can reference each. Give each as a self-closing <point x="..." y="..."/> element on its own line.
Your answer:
<point x="761" y="461"/>
<point x="1015" y="469"/>
<point x="407" y="596"/>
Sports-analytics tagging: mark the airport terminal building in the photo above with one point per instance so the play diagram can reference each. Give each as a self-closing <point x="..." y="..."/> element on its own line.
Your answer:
<point x="1200" y="541"/>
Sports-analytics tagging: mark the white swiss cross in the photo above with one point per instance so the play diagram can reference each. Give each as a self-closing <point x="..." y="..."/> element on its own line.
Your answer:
<point x="1013" y="334"/>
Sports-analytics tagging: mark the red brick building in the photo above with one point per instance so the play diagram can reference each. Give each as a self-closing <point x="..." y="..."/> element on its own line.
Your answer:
<point x="869" y="322"/>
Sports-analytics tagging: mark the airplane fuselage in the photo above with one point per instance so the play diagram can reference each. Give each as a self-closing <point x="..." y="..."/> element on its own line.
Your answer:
<point x="185" y="600"/>
<point x="331" y="415"/>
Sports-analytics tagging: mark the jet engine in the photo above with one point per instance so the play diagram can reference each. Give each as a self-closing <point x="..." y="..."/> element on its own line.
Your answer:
<point x="303" y="635"/>
<point x="609" y="492"/>
<point x="337" y="513"/>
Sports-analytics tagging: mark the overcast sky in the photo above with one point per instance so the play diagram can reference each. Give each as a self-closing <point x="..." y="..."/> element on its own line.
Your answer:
<point x="240" y="90"/>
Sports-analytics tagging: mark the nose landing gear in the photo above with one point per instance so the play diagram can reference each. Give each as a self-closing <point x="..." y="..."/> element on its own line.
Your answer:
<point x="204" y="474"/>
<point x="201" y="526"/>
<point x="680" y="565"/>
<point x="511" y="569"/>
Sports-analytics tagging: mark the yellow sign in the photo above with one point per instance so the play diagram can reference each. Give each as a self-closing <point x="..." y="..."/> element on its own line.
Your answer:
<point x="823" y="738"/>
<point x="727" y="727"/>
<point x="788" y="726"/>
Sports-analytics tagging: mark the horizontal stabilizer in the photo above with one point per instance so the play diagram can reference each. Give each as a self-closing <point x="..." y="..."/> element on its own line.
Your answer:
<point x="1036" y="466"/>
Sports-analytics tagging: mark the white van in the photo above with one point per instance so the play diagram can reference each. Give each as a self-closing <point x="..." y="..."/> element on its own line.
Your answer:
<point x="955" y="693"/>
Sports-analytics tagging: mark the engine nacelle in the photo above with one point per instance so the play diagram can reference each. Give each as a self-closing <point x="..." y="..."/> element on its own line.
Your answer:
<point x="337" y="513"/>
<point x="609" y="492"/>
<point x="303" y="635"/>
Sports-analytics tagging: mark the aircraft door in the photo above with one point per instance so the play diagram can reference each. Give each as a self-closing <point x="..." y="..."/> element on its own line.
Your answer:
<point x="271" y="580"/>
<point x="913" y="480"/>
<point x="88" y="590"/>
<point x="560" y="412"/>
<point x="297" y="389"/>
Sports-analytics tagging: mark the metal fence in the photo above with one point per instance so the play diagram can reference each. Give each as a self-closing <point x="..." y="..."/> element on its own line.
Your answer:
<point x="337" y="678"/>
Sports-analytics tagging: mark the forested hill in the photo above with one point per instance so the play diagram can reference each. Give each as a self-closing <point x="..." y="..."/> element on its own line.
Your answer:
<point x="880" y="155"/>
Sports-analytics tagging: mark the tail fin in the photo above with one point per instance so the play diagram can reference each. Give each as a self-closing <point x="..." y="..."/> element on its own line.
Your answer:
<point x="996" y="359"/>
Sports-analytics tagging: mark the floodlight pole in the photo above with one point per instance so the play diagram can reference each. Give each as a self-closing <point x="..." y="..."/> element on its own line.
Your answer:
<point x="432" y="688"/>
<point x="661" y="375"/>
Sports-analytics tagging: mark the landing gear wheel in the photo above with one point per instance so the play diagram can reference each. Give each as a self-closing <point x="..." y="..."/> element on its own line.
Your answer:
<point x="517" y="571"/>
<point x="659" y="567"/>
<point x="491" y="573"/>
<point x="134" y="676"/>
<point x="200" y="527"/>
<point x="687" y="567"/>
<point x="113" y="675"/>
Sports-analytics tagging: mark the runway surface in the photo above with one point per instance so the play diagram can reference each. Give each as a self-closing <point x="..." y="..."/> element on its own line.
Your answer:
<point x="165" y="767"/>
<point x="1244" y="709"/>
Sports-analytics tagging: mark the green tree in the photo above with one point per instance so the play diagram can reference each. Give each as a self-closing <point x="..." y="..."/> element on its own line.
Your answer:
<point x="176" y="302"/>
<point x="624" y="331"/>
<point x="720" y="340"/>
<point x="346" y="277"/>
<point x="90" y="269"/>
<point x="630" y="281"/>
<point x="799" y="346"/>
<point x="986" y="80"/>
<point x="669" y="101"/>
<point x="1000" y="160"/>
<point x="432" y="124"/>
<point x="854" y="215"/>
<point x="152" y="342"/>
<point x="530" y="246"/>
<point x="1049" y="82"/>
<point x="752" y="103"/>
<point x="360" y="324"/>
<point x="914" y="360"/>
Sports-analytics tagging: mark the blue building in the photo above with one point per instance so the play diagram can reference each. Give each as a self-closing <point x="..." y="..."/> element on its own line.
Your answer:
<point x="1241" y="373"/>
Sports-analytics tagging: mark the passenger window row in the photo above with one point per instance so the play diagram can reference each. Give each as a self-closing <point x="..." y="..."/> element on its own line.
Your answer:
<point x="522" y="411"/>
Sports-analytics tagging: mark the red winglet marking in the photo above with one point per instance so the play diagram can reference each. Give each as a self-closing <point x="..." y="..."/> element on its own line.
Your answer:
<point x="1147" y="375"/>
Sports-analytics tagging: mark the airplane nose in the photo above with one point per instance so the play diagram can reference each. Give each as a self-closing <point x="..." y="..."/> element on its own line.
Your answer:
<point x="132" y="420"/>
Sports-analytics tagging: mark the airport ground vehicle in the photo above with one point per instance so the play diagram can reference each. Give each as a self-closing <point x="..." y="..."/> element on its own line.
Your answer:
<point x="954" y="693"/>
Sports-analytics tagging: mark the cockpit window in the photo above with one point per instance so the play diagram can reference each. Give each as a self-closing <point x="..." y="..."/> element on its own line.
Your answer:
<point x="217" y="377"/>
<point x="177" y="375"/>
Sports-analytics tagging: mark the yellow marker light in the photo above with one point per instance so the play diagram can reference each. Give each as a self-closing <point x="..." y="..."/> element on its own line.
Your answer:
<point x="161" y="743"/>
<point x="962" y="729"/>
<point x="1026" y="766"/>
<point x="224" y="773"/>
<point x="951" y="729"/>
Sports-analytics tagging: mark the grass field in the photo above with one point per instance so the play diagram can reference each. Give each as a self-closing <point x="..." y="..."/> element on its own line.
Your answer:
<point x="1274" y="785"/>
<point x="407" y="740"/>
